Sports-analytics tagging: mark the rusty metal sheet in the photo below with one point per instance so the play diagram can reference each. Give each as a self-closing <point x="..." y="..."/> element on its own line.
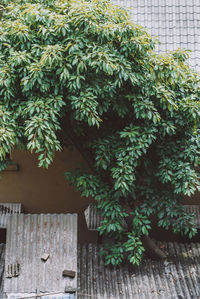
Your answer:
<point x="7" y="209"/>
<point x="29" y="237"/>
<point x="175" y="278"/>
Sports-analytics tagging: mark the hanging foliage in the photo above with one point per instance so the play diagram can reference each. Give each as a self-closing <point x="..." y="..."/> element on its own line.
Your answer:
<point x="81" y="71"/>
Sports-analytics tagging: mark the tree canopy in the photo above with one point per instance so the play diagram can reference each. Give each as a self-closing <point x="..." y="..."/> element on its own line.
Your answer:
<point x="82" y="72"/>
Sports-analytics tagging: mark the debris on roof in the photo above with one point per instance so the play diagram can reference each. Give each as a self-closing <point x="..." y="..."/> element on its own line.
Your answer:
<point x="29" y="237"/>
<point x="45" y="257"/>
<point x="13" y="270"/>
<point x="69" y="273"/>
<point x="176" y="23"/>
<point x="176" y="278"/>
<point x="7" y="209"/>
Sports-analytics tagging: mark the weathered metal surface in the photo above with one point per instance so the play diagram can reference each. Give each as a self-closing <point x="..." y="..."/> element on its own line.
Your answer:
<point x="30" y="296"/>
<point x="28" y="238"/>
<point x="92" y="217"/>
<point x="2" y="262"/>
<point x="196" y="210"/>
<point x="7" y="209"/>
<point x="176" y="23"/>
<point x="176" y="278"/>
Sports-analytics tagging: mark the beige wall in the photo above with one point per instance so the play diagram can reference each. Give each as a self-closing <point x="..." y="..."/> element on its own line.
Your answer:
<point x="47" y="191"/>
<point x="41" y="190"/>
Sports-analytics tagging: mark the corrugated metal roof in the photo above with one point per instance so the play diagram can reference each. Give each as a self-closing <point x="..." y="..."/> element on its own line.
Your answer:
<point x="176" y="278"/>
<point x="7" y="209"/>
<point x="2" y="262"/>
<point x="30" y="296"/>
<point x="92" y="217"/>
<point x="28" y="238"/>
<point x="176" y="23"/>
<point x="196" y="210"/>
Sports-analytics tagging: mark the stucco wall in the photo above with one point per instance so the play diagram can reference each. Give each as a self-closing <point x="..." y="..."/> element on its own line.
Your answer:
<point x="47" y="191"/>
<point x="41" y="190"/>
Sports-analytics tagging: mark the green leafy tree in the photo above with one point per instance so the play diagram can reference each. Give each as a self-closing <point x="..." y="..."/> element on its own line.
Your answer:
<point x="82" y="72"/>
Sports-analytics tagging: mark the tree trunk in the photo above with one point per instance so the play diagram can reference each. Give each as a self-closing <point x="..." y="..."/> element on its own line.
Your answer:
<point x="151" y="249"/>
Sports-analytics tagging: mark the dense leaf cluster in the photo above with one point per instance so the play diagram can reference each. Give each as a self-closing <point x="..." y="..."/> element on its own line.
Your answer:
<point x="83" y="70"/>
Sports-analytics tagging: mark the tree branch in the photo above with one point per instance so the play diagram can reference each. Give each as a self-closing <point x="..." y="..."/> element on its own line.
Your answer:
<point x="151" y="249"/>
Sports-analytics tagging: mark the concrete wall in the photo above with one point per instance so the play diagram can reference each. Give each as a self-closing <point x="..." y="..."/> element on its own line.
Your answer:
<point x="41" y="190"/>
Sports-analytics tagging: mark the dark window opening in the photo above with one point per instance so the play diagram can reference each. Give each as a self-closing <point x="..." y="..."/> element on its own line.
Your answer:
<point x="3" y="235"/>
